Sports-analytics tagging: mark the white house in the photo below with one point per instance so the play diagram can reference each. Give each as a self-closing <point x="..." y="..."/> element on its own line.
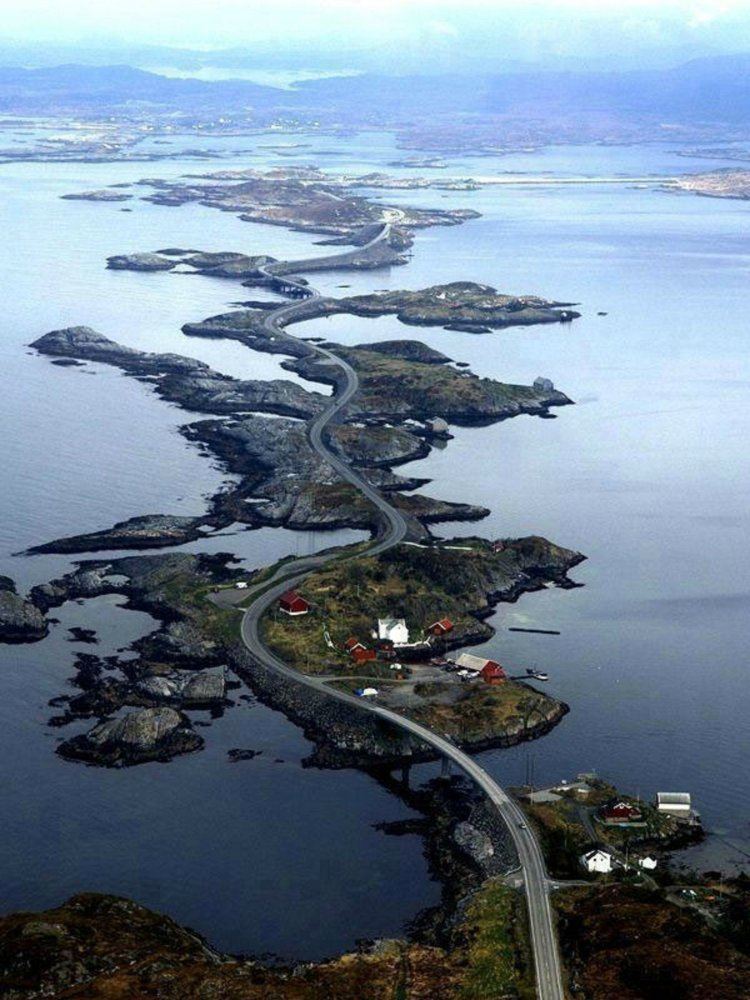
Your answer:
<point x="393" y="629"/>
<point x="674" y="803"/>
<point x="597" y="861"/>
<point x="648" y="863"/>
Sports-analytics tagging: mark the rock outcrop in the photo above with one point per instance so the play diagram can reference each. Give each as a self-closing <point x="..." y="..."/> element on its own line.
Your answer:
<point x="20" y="620"/>
<point x="143" y="735"/>
<point x="147" y="531"/>
<point x="141" y="262"/>
<point x="188" y="688"/>
<point x="218" y="265"/>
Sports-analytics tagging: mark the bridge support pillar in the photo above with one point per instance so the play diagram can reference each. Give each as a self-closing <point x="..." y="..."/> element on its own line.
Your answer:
<point x="445" y="768"/>
<point x="405" y="775"/>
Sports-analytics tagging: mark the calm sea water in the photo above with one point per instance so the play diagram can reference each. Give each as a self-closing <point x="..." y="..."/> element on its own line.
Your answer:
<point x="647" y="475"/>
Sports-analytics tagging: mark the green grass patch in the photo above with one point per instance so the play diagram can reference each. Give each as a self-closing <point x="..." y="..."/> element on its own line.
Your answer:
<point x="497" y="955"/>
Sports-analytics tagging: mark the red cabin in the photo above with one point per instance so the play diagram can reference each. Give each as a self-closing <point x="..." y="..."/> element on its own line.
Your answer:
<point x="352" y="645"/>
<point x="360" y="654"/>
<point x="492" y="673"/>
<point x="441" y="627"/>
<point x="292" y="604"/>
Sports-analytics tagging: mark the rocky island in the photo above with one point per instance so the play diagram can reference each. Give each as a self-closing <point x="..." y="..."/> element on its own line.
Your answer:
<point x="182" y="663"/>
<point x="301" y="198"/>
<point x="104" y="195"/>
<point x="461" y="305"/>
<point x="457" y="582"/>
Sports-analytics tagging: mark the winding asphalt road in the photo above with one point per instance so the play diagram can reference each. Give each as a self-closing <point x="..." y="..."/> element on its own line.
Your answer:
<point x="395" y="528"/>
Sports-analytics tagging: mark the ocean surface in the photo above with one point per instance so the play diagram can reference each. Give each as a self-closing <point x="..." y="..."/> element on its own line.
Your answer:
<point x="647" y="475"/>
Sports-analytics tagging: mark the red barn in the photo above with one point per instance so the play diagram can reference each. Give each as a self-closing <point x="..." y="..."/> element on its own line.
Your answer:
<point x="492" y="673"/>
<point x="352" y="645"/>
<point x="292" y="604"/>
<point x="441" y="627"/>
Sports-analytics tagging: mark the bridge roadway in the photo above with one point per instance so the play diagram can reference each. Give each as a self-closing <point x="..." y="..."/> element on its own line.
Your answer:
<point x="396" y="528"/>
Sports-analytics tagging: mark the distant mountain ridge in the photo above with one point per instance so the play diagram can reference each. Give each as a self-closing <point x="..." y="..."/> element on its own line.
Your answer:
<point x="711" y="88"/>
<point x="67" y="87"/>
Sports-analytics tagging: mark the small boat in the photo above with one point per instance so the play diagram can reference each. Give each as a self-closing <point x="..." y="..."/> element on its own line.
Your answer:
<point x="538" y="675"/>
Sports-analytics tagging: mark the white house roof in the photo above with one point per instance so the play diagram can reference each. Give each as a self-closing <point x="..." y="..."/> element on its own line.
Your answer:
<point x="393" y="628"/>
<point x="597" y="861"/>
<point x="470" y="662"/>
<point x="679" y="799"/>
<point x="543" y="795"/>
<point x="590" y="855"/>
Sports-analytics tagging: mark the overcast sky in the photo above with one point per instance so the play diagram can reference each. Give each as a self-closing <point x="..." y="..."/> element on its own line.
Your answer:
<point x="446" y="30"/>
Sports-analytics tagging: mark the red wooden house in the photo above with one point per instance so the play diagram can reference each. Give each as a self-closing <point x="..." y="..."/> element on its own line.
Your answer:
<point x="492" y="673"/>
<point x="358" y="651"/>
<point x="292" y="604"/>
<point x="441" y="627"/>
<point x="621" y="812"/>
<point x="361" y="654"/>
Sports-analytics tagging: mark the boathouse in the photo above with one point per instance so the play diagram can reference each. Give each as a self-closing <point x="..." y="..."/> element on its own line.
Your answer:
<point x="674" y="803"/>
